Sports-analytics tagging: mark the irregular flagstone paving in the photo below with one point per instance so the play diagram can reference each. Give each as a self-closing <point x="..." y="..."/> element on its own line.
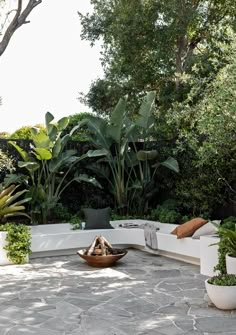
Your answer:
<point x="144" y="294"/>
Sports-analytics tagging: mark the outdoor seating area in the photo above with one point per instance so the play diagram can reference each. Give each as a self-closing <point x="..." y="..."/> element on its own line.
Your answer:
<point x="117" y="167"/>
<point x="142" y="294"/>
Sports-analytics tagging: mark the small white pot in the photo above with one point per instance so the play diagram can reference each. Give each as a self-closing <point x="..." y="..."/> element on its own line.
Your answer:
<point x="3" y="253"/>
<point x="231" y="264"/>
<point x="223" y="297"/>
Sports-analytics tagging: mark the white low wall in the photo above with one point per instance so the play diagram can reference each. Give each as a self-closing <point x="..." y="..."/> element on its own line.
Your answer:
<point x="60" y="239"/>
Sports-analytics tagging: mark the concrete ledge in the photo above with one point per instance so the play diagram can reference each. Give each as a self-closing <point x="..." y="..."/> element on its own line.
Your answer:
<point x="60" y="239"/>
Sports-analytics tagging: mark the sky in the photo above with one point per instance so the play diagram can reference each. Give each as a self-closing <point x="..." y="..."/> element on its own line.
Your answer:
<point x="46" y="65"/>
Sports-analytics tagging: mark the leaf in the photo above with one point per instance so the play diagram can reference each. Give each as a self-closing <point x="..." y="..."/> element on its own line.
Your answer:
<point x="31" y="166"/>
<point x="114" y="129"/>
<point x="88" y="179"/>
<point x="63" y="123"/>
<point x="43" y="154"/>
<point x="171" y="164"/>
<point x="41" y="140"/>
<point x="145" y="119"/>
<point x="57" y="148"/>
<point x="22" y="152"/>
<point x="48" y="118"/>
<point x="144" y="155"/>
<point x="97" y="153"/>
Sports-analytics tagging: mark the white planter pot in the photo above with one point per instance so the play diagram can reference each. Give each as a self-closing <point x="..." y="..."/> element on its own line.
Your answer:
<point x="231" y="265"/>
<point x="223" y="297"/>
<point x="3" y="253"/>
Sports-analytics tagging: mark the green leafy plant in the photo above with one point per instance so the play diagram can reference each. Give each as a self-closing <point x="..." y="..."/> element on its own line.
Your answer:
<point x="223" y="280"/>
<point x="226" y="245"/>
<point x="167" y="212"/>
<point x="18" y="242"/>
<point x="76" y="222"/>
<point x="48" y="166"/>
<point x="229" y="223"/>
<point x="10" y="205"/>
<point x="125" y="168"/>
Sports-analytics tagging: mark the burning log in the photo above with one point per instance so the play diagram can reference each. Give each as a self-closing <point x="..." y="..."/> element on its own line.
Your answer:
<point x="100" y="247"/>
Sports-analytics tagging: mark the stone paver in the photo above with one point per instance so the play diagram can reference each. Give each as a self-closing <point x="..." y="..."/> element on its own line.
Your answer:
<point x="143" y="294"/>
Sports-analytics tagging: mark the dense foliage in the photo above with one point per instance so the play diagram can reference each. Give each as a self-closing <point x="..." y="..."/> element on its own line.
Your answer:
<point x="223" y="280"/>
<point x="18" y="242"/>
<point x="168" y="46"/>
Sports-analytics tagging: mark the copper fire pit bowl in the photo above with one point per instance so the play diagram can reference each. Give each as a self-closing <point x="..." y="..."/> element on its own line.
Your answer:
<point x="103" y="261"/>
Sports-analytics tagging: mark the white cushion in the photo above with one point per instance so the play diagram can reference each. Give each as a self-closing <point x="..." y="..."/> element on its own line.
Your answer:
<point x="207" y="229"/>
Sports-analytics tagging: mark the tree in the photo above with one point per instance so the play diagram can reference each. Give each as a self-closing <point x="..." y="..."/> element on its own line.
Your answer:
<point x="165" y="45"/>
<point x="14" y="19"/>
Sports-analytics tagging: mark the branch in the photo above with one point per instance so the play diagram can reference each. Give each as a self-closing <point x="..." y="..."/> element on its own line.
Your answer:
<point x="18" y="20"/>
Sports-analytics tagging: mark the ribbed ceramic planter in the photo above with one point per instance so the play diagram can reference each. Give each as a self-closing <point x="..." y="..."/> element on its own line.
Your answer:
<point x="231" y="264"/>
<point x="223" y="297"/>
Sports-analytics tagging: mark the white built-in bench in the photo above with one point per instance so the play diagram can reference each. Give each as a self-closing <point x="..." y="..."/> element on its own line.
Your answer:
<point x="60" y="239"/>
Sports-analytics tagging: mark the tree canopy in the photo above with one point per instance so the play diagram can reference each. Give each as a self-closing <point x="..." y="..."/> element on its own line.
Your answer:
<point x="166" y="45"/>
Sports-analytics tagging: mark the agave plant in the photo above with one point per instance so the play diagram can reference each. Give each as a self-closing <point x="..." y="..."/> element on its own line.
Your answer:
<point x="10" y="205"/>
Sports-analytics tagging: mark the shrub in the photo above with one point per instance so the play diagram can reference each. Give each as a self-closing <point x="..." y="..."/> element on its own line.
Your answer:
<point x="223" y="280"/>
<point x="229" y="223"/>
<point x="167" y="212"/>
<point x="18" y="242"/>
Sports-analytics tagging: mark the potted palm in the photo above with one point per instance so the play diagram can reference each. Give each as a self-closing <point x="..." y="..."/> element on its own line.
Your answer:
<point x="14" y="238"/>
<point x="221" y="288"/>
<point x="229" y="238"/>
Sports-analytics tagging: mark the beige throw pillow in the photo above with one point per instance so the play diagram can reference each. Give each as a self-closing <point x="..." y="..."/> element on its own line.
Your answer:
<point x="210" y="228"/>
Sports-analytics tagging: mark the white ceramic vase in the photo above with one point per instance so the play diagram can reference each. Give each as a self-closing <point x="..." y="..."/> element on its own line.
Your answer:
<point x="223" y="297"/>
<point x="231" y="264"/>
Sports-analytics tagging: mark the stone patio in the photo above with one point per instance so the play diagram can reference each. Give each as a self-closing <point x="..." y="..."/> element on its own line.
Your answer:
<point x="143" y="294"/>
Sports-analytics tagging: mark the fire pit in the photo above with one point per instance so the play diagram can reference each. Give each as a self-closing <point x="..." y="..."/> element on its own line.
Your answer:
<point x="101" y="253"/>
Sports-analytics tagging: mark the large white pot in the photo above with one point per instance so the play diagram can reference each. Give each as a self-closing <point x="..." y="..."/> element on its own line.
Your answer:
<point x="231" y="264"/>
<point x="223" y="297"/>
<point x="3" y="253"/>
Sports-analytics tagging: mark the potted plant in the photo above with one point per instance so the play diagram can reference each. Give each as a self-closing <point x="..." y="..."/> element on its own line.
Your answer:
<point x="221" y="290"/>
<point x="14" y="238"/>
<point x="228" y="237"/>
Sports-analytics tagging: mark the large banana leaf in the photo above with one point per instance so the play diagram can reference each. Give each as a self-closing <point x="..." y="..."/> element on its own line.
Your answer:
<point x="41" y="140"/>
<point x="114" y="129"/>
<point x="22" y="152"/>
<point x="30" y="166"/>
<point x="171" y="164"/>
<point x="42" y="154"/>
<point x="63" y="123"/>
<point x="144" y="155"/>
<point x="88" y="179"/>
<point x="145" y="119"/>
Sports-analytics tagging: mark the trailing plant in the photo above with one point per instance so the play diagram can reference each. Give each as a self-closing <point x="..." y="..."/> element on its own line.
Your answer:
<point x="18" y="242"/>
<point x="223" y="280"/>
<point x="10" y="205"/>
<point x="48" y="166"/>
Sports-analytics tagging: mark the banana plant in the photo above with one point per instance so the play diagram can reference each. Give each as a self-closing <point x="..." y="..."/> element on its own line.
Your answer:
<point x="10" y="205"/>
<point x="122" y="167"/>
<point x="48" y="166"/>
